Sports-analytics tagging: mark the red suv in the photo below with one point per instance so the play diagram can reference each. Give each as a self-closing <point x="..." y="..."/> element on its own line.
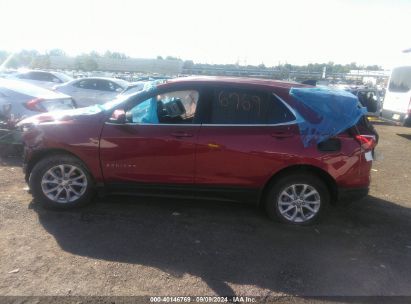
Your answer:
<point x="232" y="139"/>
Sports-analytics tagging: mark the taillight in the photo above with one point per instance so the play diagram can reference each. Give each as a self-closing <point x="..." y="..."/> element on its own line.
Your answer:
<point x="367" y="142"/>
<point x="35" y="105"/>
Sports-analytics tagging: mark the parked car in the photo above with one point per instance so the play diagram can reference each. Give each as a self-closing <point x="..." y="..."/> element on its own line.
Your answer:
<point x="397" y="100"/>
<point x="92" y="90"/>
<point x="217" y="138"/>
<point x="42" y="79"/>
<point x="369" y="98"/>
<point x="24" y="100"/>
<point x="10" y="135"/>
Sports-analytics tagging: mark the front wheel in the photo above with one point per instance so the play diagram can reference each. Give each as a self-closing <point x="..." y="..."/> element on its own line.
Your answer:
<point x="61" y="181"/>
<point x="297" y="199"/>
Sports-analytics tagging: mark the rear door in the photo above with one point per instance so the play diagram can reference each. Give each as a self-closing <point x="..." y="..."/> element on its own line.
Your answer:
<point x="246" y="135"/>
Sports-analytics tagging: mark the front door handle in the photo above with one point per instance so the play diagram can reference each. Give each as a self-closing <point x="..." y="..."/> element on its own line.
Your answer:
<point x="181" y="134"/>
<point x="281" y="134"/>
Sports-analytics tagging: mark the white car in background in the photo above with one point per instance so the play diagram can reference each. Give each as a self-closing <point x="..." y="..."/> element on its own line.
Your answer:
<point x="397" y="100"/>
<point x="42" y="79"/>
<point x="92" y="90"/>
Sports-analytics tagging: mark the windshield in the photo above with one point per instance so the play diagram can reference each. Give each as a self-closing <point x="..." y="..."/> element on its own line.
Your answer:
<point x="63" y="77"/>
<point x="113" y="103"/>
<point x="400" y="80"/>
<point x="148" y="86"/>
<point x="133" y="88"/>
<point x="122" y="83"/>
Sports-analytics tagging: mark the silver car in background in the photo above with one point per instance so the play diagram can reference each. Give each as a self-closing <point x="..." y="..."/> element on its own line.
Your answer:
<point x="24" y="100"/>
<point x="92" y="90"/>
<point x="42" y="79"/>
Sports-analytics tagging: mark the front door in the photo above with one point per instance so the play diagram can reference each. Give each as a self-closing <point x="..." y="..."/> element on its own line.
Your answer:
<point x="156" y="145"/>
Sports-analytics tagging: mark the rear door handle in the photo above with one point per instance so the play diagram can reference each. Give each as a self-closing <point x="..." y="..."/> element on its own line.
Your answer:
<point x="281" y="134"/>
<point x="181" y="134"/>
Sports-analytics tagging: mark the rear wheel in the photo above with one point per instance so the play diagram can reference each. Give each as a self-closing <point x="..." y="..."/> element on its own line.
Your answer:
<point x="297" y="199"/>
<point x="61" y="181"/>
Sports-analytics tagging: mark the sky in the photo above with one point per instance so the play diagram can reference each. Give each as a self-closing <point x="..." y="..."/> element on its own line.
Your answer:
<point x="298" y="32"/>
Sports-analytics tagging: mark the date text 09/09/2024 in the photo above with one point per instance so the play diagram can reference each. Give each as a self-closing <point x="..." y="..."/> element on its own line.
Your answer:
<point x="205" y="299"/>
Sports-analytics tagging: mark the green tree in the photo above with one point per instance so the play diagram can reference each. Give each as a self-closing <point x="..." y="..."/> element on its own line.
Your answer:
<point x="85" y="63"/>
<point x="25" y="57"/>
<point x="172" y="58"/>
<point x="56" y="52"/>
<point x="40" y="62"/>
<point x="188" y="64"/>
<point x="115" y="55"/>
<point x="3" y="56"/>
<point x="94" y="54"/>
<point x="373" y="67"/>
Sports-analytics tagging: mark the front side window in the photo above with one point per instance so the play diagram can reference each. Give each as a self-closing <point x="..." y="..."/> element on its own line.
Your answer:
<point x="62" y="77"/>
<point x="88" y="84"/>
<point x="177" y="107"/>
<point x="240" y="106"/>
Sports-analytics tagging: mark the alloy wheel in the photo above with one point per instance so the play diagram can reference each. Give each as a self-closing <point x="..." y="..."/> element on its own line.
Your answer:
<point x="298" y="203"/>
<point x="64" y="183"/>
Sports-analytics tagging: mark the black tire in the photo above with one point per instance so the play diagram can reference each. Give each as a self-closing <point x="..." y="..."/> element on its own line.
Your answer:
<point x="273" y="207"/>
<point x="47" y="163"/>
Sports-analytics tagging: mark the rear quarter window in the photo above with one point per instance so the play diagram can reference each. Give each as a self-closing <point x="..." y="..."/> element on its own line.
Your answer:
<point x="239" y="106"/>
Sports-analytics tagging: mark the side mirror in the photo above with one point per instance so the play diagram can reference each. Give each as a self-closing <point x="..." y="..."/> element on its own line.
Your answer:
<point x="118" y="116"/>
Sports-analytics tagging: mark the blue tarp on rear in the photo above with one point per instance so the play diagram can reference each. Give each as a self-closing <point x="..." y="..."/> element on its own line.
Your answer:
<point x="325" y="112"/>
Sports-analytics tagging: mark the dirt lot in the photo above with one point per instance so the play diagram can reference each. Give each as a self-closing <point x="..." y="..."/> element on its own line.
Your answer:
<point x="136" y="246"/>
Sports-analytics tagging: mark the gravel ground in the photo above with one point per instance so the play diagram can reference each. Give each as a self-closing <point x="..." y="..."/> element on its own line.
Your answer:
<point x="139" y="246"/>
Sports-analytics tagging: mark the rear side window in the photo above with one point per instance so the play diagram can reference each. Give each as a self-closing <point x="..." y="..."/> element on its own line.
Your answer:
<point x="106" y="85"/>
<point x="30" y="76"/>
<point x="400" y="80"/>
<point x="89" y="84"/>
<point x="239" y="106"/>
